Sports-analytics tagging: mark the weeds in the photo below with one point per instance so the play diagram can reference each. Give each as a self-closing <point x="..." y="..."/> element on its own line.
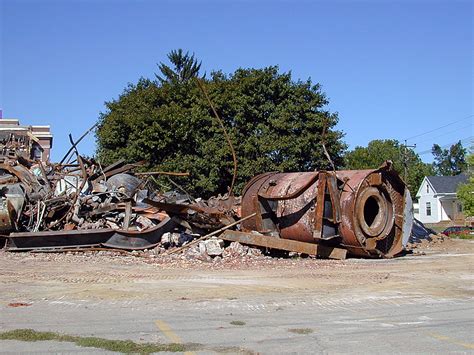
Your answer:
<point x="123" y="346"/>
<point x="462" y="236"/>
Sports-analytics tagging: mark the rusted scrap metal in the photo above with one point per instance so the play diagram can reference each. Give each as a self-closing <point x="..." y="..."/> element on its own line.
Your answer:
<point x="78" y="203"/>
<point x="75" y="204"/>
<point x="18" y="145"/>
<point x="21" y="241"/>
<point x="200" y="215"/>
<point x="81" y="204"/>
<point x="41" y="197"/>
<point x="367" y="212"/>
<point x="85" y="238"/>
<point x="260" y="240"/>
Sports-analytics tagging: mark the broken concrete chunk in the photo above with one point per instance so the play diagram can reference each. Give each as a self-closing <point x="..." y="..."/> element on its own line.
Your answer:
<point x="197" y="252"/>
<point x="175" y="239"/>
<point x="213" y="246"/>
<point x="166" y="239"/>
<point x="235" y="249"/>
<point x="144" y="222"/>
<point x="202" y="247"/>
<point x="254" y="252"/>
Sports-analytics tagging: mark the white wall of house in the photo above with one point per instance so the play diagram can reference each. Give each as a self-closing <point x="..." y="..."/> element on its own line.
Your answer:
<point x="444" y="207"/>
<point x="426" y="195"/>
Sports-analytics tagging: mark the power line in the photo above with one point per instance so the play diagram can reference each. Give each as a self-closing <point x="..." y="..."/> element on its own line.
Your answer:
<point x="436" y="129"/>
<point x="444" y="134"/>
<point x="446" y="145"/>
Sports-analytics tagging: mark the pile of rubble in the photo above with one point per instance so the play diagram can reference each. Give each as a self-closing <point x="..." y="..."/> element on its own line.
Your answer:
<point x="422" y="237"/>
<point x="209" y="249"/>
<point x="80" y="204"/>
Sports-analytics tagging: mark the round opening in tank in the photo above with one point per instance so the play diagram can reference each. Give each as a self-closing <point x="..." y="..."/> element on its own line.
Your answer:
<point x="371" y="210"/>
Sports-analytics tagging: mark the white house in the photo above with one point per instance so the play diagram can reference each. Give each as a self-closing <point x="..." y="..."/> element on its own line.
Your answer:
<point x="437" y="199"/>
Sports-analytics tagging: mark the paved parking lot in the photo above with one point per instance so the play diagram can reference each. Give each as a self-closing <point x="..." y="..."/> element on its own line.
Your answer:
<point x="414" y="304"/>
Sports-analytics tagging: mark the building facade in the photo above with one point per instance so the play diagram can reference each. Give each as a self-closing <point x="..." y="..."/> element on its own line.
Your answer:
<point x="32" y="142"/>
<point x="437" y="200"/>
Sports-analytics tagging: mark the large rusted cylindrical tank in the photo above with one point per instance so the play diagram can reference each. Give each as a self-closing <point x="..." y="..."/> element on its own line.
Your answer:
<point x="368" y="212"/>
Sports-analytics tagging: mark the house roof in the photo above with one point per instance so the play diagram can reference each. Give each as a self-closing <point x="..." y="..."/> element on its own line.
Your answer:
<point x="446" y="184"/>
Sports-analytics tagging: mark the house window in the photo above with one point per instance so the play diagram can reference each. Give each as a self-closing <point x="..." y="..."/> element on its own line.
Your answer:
<point x="427" y="188"/>
<point x="428" y="208"/>
<point x="459" y="208"/>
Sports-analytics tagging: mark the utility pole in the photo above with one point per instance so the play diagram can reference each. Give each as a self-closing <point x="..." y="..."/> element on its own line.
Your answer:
<point x="405" y="158"/>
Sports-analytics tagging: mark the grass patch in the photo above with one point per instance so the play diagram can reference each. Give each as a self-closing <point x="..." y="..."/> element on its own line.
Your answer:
<point x="237" y="322"/>
<point x="123" y="346"/>
<point x="301" y="330"/>
<point x="462" y="236"/>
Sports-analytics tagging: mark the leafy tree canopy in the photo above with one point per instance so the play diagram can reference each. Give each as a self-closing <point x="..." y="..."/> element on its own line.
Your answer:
<point x="449" y="162"/>
<point x="274" y="122"/>
<point x="377" y="151"/>
<point x="465" y="192"/>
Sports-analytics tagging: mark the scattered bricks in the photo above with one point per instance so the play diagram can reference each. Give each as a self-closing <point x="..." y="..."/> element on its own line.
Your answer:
<point x="19" y="304"/>
<point x="69" y="226"/>
<point x="426" y="241"/>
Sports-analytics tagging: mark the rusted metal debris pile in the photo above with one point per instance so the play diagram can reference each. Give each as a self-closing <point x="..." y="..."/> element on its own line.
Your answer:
<point x="81" y="204"/>
<point x="78" y="204"/>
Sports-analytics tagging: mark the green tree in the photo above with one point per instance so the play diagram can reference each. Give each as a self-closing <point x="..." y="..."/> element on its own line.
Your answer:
<point x="274" y="122"/>
<point x="380" y="150"/>
<point x="185" y="67"/>
<point x="449" y="162"/>
<point x="465" y="192"/>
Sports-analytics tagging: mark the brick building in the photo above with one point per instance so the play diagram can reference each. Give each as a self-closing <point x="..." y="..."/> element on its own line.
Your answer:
<point x="32" y="142"/>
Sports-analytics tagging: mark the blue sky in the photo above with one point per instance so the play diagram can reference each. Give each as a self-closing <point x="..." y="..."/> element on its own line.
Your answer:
<point x="392" y="69"/>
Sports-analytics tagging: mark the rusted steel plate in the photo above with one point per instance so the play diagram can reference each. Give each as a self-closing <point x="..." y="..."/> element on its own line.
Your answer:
<point x="118" y="239"/>
<point x="284" y="244"/>
<point x="62" y="238"/>
<point x="135" y="240"/>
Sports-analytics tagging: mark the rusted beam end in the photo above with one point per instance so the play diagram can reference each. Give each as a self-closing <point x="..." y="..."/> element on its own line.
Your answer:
<point x="261" y="240"/>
